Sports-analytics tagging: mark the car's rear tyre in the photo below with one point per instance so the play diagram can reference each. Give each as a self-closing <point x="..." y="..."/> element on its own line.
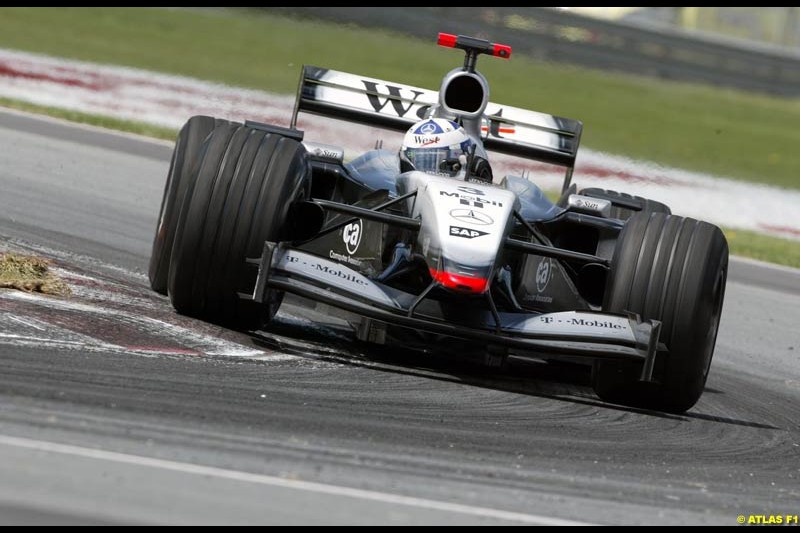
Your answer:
<point x="645" y="205"/>
<point x="246" y="181"/>
<point x="671" y="269"/>
<point x="184" y="157"/>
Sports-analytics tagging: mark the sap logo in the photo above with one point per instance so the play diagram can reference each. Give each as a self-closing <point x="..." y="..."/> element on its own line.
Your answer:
<point x="396" y="98"/>
<point x="351" y="235"/>
<point x="466" y="233"/>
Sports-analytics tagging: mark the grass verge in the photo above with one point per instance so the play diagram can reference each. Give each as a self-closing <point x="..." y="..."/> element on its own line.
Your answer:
<point x="30" y="274"/>
<point x="699" y="128"/>
<point x="764" y="248"/>
<point x="139" y="128"/>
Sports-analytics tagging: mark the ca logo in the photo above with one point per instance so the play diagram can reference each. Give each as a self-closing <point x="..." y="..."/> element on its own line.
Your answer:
<point x="351" y="235"/>
<point x="543" y="273"/>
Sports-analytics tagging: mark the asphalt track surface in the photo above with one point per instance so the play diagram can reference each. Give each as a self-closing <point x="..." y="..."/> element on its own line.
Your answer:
<point x="113" y="410"/>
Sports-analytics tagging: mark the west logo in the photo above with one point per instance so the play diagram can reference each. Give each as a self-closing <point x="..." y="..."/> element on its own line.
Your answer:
<point x="395" y="98"/>
<point x="419" y="139"/>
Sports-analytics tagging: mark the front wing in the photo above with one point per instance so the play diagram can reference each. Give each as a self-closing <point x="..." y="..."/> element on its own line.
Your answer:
<point x="571" y="333"/>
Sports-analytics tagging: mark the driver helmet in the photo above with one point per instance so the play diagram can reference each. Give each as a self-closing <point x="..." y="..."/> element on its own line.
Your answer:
<point x="436" y="146"/>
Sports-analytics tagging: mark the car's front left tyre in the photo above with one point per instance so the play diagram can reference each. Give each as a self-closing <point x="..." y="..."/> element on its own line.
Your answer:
<point x="674" y="270"/>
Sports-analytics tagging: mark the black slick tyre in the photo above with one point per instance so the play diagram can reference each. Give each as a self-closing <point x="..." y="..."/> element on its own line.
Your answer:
<point x="184" y="160"/>
<point x="674" y="270"/>
<point x="246" y="182"/>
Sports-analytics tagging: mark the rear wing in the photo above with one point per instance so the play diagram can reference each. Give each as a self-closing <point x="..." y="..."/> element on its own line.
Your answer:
<point x="506" y="129"/>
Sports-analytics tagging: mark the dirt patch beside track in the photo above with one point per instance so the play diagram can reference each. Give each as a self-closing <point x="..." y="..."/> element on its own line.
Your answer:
<point x="30" y="274"/>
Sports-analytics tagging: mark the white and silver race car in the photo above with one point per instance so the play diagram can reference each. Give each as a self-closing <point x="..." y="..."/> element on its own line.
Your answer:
<point x="251" y="211"/>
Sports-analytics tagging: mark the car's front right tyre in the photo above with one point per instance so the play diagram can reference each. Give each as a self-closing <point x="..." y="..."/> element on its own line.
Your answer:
<point x="245" y="184"/>
<point x="181" y="173"/>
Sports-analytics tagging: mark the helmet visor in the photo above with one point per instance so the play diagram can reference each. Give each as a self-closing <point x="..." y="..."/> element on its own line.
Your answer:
<point x="442" y="161"/>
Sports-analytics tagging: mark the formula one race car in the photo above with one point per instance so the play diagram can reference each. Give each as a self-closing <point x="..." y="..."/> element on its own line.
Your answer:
<point x="426" y="246"/>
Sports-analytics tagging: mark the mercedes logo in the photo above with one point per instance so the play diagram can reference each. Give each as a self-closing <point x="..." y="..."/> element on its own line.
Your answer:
<point x="428" y="128"/>
<point x="471" y="216"/>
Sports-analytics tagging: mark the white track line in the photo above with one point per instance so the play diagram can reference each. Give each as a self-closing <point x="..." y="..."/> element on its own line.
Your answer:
<point x="308" y="486"/>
